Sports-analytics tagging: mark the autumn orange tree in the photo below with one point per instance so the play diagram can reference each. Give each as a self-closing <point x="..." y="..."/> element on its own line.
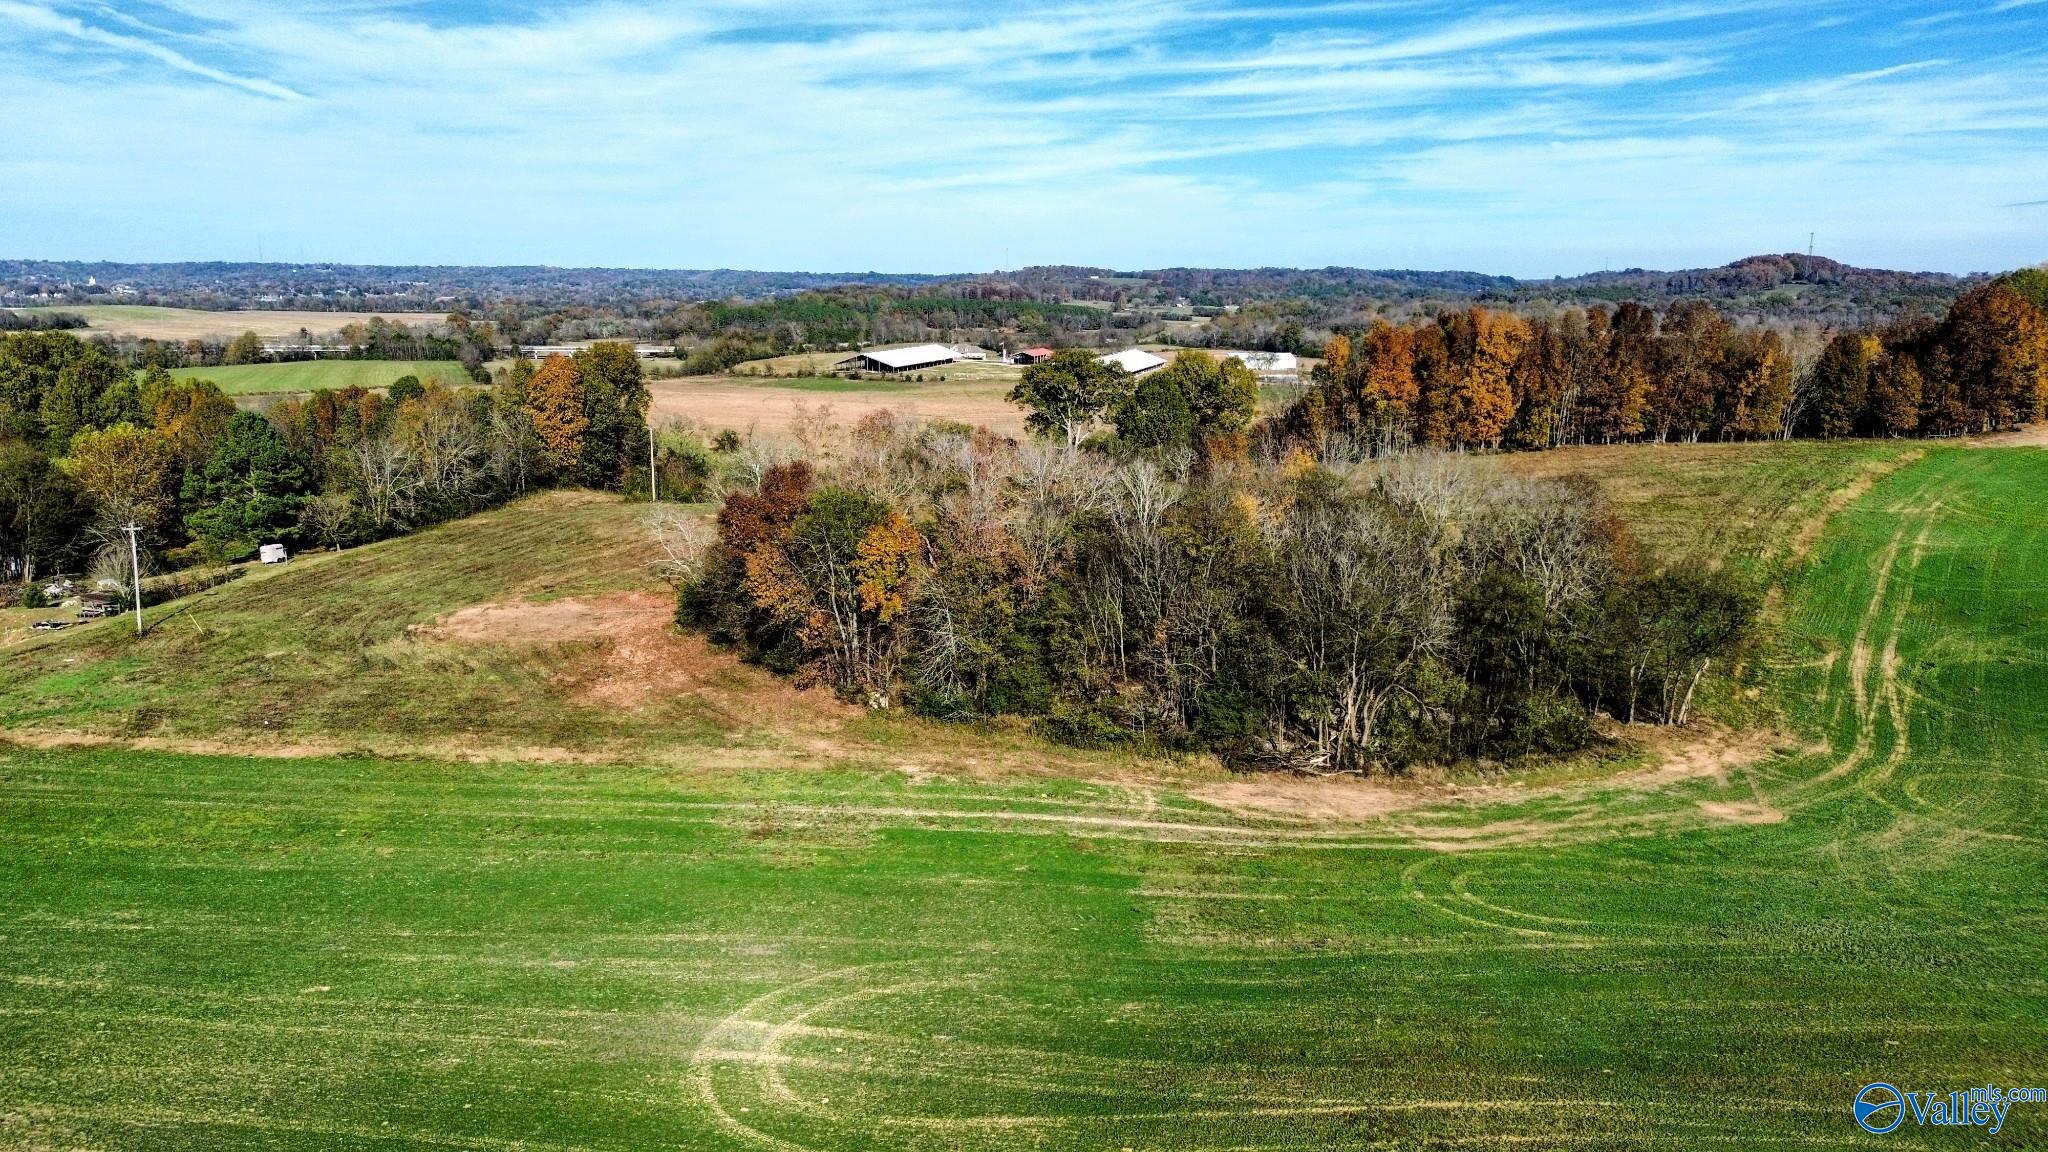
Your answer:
<point x="555" y="404"/>
<point x="1994" y="345"/>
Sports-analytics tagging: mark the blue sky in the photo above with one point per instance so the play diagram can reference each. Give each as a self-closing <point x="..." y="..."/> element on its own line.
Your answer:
<point x="1529" y="139"/>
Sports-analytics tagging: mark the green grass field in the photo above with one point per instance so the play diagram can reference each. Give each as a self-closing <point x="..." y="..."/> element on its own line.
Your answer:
<point x="309" y="375"/>
<point x="850" y="937"/>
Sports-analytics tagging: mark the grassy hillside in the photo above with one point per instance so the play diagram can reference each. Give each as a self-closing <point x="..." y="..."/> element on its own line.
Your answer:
<point x="339" y="649"/>
<point x="205" y="951"/>
<point x="537" y="631"/>
<point x="308" y="375"/>
<point x="1755" y="505"/>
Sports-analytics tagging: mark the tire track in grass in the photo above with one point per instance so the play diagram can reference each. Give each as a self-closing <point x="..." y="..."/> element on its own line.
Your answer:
<point x="1466" y="908"/>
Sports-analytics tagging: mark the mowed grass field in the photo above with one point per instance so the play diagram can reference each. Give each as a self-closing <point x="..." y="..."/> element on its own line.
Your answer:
<point x="848" y="938"/>
<point x="310" y="375"/>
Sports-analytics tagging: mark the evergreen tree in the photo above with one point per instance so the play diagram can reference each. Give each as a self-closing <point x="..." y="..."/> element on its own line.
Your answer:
<point x="249" y="491"/>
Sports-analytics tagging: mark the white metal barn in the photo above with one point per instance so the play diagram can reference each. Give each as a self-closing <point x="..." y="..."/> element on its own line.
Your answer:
<point x="970" y="351"/>
<point x="911" y="359"/>
<point x="1135" y="361"/>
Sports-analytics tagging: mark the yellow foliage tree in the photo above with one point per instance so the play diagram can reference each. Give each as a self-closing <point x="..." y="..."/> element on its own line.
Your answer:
<point x="554" y="401"/>
<point x="885" y="567"/>
<point x="131" y="473"/>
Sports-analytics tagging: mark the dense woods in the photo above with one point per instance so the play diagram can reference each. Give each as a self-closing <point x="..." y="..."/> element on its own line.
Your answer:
<point x="1476" y="378"/>
<point x="1328" y="615"/>
<point x="88" y="447"/>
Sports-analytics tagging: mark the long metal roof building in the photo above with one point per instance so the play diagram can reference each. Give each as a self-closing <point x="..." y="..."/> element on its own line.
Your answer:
<point x="901" y="359"/>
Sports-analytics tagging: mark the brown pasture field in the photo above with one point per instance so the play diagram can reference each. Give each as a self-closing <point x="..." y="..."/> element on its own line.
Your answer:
<point x="769" y="406"/>
<point x="147" y="322"/>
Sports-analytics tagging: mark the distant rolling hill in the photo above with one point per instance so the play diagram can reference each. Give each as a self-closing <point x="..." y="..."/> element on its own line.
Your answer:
<point x="1788" y="286"/>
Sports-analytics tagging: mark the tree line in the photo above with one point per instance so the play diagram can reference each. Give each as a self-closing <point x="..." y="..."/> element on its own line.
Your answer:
<point x="88" y="447"/>
<point x="11" y="321"/>
<point x="458" y="338"/>
<point x="1328" y="614"/>
<point x="1474" y="378"/>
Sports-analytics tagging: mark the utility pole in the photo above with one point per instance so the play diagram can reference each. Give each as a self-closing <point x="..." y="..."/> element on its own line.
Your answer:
<point x="653" y="490"/>
<point x="134" y="532"/>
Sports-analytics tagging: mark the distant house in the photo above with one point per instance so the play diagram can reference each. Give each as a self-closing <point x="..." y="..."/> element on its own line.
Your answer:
<point x="1271" y="365"/>
<point x="912" y="359"/>
<point x="1032" y="356"/>
<point x="970" y="351"/>
<point x="1135" y="361"/>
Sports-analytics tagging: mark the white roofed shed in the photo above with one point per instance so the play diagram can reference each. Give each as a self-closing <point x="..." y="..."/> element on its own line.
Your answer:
<point x="1135" y="361"/>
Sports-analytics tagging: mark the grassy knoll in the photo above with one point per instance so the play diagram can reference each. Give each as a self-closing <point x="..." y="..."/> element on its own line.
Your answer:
<point x="309" y="375"/>
<point x="330" y="647"/>
<point x="213" y="952"/>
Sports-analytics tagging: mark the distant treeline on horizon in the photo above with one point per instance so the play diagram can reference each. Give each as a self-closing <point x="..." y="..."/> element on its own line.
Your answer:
<point x="358" y="287"/>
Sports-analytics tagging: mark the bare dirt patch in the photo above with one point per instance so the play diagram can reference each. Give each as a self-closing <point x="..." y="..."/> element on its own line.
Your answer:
<point x="549" y="622"/>
<point x="1319" y="800"/>
<point x="639" y="657"/>
<point x="1705" y="752"/>
<point x="2032" y="436"/>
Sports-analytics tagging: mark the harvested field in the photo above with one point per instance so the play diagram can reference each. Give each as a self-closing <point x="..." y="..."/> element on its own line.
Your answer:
<point x="192" y="324"/>
<point x="775" y="406"/>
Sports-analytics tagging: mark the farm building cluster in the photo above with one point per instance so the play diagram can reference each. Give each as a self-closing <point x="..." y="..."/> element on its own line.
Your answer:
<point x="1275" y="366"/>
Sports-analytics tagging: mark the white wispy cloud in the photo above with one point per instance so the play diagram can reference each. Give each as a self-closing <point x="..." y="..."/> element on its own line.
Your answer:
<point x="44" y="20"/>
<point x="903" y="135"/>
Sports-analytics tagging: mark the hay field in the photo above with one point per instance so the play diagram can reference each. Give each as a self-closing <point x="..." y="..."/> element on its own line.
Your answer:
<point x="192" y="324"/>
<point x="775" y="405"/>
